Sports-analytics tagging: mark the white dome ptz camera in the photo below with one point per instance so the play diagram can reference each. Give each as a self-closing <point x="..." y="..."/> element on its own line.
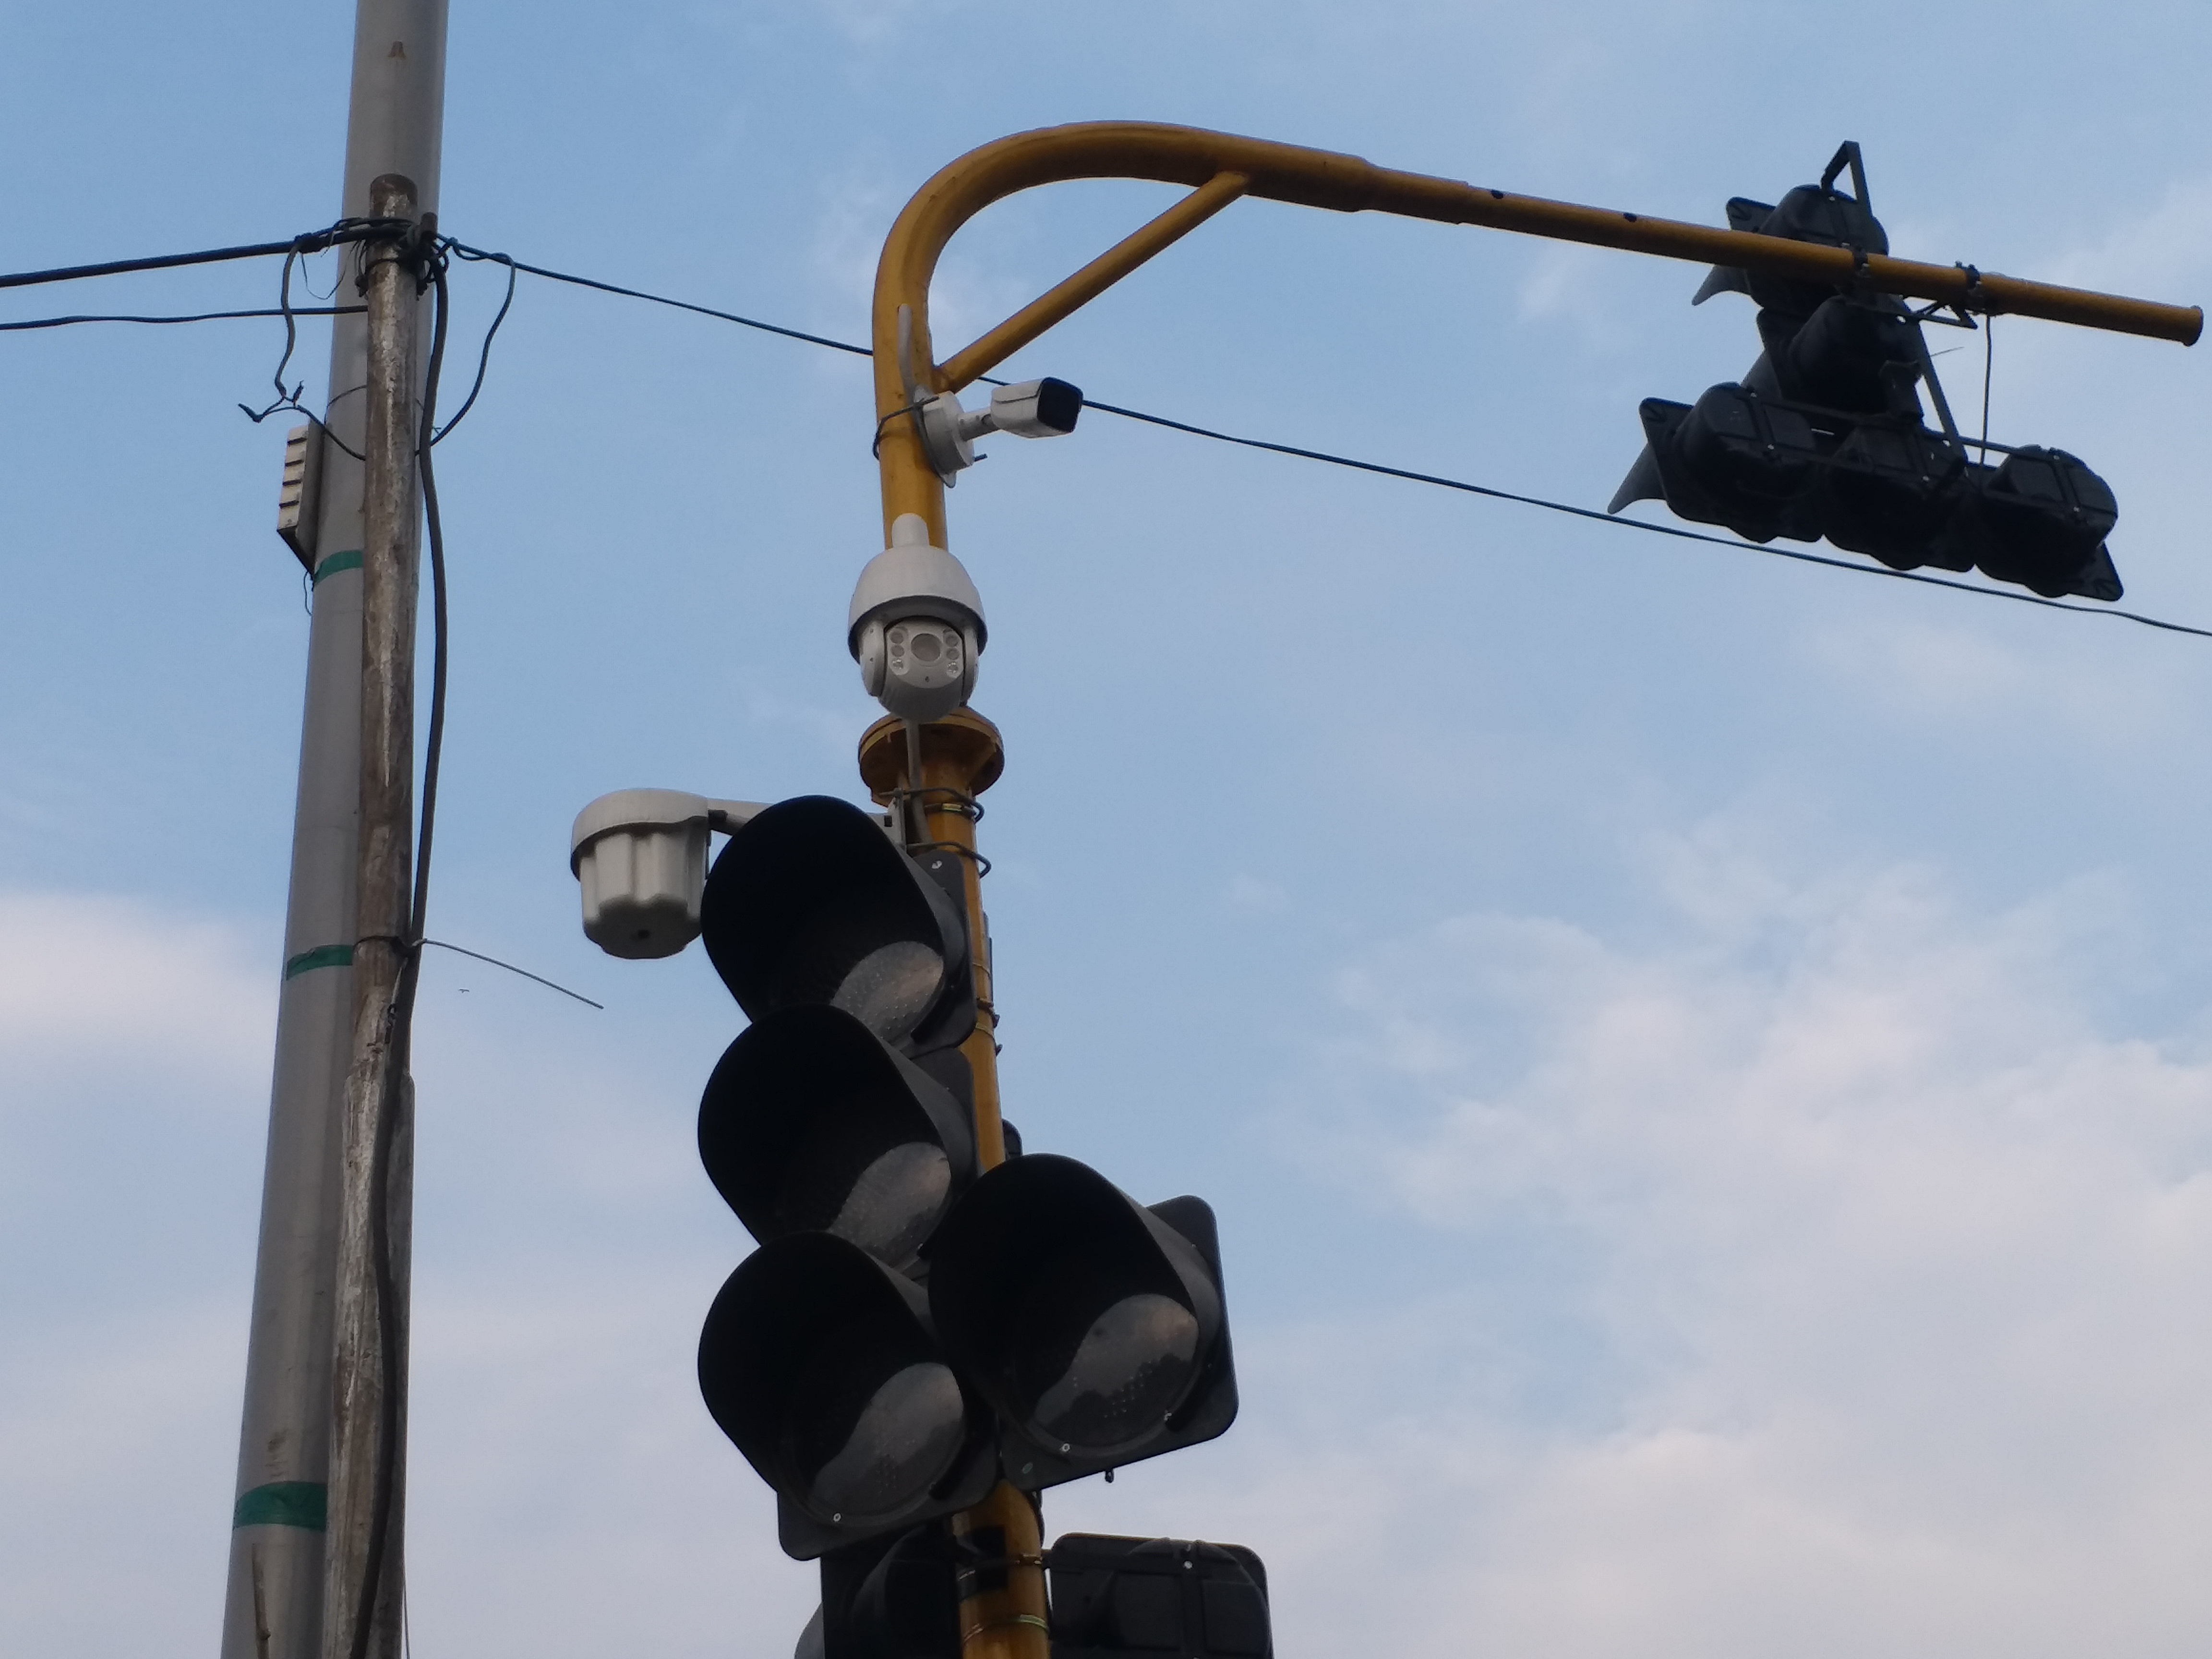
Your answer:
<point x="917" y="626"/>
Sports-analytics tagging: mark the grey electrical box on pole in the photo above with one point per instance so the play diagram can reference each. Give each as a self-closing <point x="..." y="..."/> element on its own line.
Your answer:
<point x="273" y="1608"/>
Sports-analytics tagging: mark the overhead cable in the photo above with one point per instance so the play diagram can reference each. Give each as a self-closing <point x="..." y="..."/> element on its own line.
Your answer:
<point x="355" y="230"/>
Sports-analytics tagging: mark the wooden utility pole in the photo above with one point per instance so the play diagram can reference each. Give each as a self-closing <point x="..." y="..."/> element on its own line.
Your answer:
<point x="362" y="1573"/>
<point x="273" y="1604"/>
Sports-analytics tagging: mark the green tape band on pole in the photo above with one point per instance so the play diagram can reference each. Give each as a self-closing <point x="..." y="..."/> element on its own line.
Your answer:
<point x="322" y="955"/>
<point x="350" y="560"/>
<point x="303" y="1504"/>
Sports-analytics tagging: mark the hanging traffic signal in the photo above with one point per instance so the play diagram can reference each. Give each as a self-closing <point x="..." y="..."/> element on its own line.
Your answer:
<point x="1114" y="1598"/>
<point x="1093" y="1326"/>
<point x="1826" y="436"/>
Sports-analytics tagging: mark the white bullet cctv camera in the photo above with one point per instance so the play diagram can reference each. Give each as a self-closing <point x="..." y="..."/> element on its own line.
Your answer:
<point x="917" y="626"/>
<point x="1035" y="409"/>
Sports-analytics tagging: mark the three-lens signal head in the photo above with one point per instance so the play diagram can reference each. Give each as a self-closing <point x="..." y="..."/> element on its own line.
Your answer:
<point x="1095" y="1326"/>
<point x="820" y="1363"/>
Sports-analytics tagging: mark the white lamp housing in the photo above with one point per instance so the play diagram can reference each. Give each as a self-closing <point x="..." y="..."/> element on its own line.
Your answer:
<point x="917" y="626"/>
<point x="641" y="857"/>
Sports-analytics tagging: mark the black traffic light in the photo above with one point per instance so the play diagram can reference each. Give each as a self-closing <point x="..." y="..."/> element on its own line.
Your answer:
<point x="1094" y="1326"/>
<point x="810" y="903"/>
<point x="811" y="1123"/>
<point x="893" y="1598"/>
<point x="1826" y="436"/>
<point x="1117" y="1597"/>
<point x="838" y="1125"/>
<point x="820" y="1363"/>
<point x="911" y="1330"/>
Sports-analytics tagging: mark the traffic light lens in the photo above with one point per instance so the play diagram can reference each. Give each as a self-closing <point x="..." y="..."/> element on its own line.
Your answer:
<point x="894" y="1205"/>
<point x="887" y="985"/>
<point x="861" y="1455"/>
<point x="1109" y="1380"/>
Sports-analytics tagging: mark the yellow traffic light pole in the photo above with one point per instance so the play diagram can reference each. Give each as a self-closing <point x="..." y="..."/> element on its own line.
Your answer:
<point x="1003" y="1605"/>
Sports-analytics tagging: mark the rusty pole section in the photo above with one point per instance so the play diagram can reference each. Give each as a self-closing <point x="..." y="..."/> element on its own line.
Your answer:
<point x="362" y="1577"/>
<point x="1003" y="1604"/>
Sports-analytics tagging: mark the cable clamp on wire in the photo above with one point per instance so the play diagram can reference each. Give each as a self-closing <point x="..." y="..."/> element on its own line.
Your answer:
<point x="914" y="409"/>
<point x="1977" y="297"/>
<point x="1011" y="1621"/>
<point x="957" y="802"/>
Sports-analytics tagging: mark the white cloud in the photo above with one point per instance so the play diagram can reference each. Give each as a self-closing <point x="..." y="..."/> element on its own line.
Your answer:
<point x="1250" y="894"/>
<point x="118" y="1446"/>
<point x="91" y="983"/>
<point x="1896" y="1267"/>
<point x="2155" y="255"/>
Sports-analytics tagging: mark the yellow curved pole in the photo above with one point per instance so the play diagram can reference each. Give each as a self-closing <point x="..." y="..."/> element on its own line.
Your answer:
<point x="1221" y="167"/>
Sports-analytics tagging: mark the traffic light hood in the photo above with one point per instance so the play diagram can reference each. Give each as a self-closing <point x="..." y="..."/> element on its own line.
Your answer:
<point x="1094" y="1326"/>
<point x="820" y="1363"/>
<point x="812" y="1124"/>
<point x="810" y="903"/>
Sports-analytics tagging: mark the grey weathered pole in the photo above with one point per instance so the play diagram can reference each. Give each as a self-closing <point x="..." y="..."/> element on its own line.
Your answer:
<point x="273" y="1608"/>
<point x="361" y="1573"/>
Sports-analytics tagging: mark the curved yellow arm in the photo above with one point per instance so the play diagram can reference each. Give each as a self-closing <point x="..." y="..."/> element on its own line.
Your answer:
<point x="1221" y="166"/>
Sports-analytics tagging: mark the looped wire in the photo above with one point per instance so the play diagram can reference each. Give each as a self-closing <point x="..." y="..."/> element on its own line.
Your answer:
<point x="913" y="409"/>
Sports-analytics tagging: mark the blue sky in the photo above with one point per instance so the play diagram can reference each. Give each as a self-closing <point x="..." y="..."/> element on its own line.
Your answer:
<point x="1702" y="1063"/>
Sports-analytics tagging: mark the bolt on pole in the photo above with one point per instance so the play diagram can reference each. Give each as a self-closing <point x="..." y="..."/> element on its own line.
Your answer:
<point x="273" y="1606"/>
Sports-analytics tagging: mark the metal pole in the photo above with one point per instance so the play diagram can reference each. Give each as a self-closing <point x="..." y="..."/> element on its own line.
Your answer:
<point x="1002" y="1607"/>
<point x="360" y="1568"/>
<point x="273" y="1608"/>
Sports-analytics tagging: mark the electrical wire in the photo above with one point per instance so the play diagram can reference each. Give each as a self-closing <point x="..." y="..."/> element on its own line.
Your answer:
<point x="284" y="399"/>
<point x="312" y="241"/>
<point x="1328" y="459"/>
<point x="1989" y="358"/>
<point x="195" y="317"/>
<point x="483" y="358"/>
<point x="352" y="230"/>
<point x="570" y="278"/>
<point x="478" y="955"/>
<point x="1675" y="530"/>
